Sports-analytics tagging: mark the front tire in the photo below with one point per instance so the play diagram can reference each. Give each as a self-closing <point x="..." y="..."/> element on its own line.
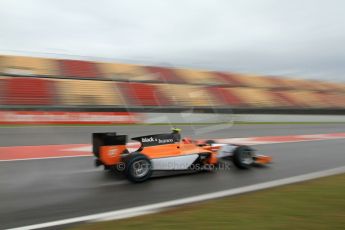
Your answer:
<point x="138" y="168"/>
<point x="243" y="157"/>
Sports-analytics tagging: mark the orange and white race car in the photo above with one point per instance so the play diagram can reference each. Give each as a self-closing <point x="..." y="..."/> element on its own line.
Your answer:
<point x="166" y="152"/>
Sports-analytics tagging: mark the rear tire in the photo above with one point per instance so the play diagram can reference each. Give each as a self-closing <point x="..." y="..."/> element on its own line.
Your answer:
<point x="138" y="168"/>
<point x="243" y="157"/>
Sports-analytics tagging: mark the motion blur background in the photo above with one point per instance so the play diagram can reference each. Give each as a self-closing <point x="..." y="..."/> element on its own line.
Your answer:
<point x="168" y="56"/>
<point x="171" y="62"/>
<point x="46" y="82"/>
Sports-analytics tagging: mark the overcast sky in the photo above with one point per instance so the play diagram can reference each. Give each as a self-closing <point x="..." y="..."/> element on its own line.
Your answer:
<point x="280" y="37"/>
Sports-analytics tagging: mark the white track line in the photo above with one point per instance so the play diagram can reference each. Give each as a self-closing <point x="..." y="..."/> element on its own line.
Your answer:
<point x="153" y="208"/>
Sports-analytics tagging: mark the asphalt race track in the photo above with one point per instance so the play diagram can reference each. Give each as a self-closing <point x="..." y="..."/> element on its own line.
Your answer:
<point x="37" y="191"/>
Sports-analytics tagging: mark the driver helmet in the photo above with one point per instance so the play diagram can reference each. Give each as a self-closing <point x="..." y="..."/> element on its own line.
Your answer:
<point x="176" y="130"/>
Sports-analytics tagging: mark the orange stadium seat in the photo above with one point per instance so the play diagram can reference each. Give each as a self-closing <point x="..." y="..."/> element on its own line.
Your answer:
<point x="285" y="100"/>
<point x="256" y="97"/>
<point x="78" y="69"/>
<point x="306" y="98"/>
<point x="326" y="86"/>
<point x="187" y="95"/>
<point x="165" y="75"/>
<point x="226" y="97"/>
<point x="313" y="85"/>
<point x="88" y="92"/>
<point x="27" y="66"/>
<point x="342" y="87"/>
<point x="220" y="79"/>
<point x="317" y="86"/>
<point x="338" y="87"/>
<point x="199" y="77"/>
<point x="274" y="82"/>
<point x="288" y="83"/>
<point x="246" y="80"/>
<point x="286" y="95"/>
<point x="322" y="97"/>
<point x="229" y="79"/>
<point x="2" y="90"/>
<point x="142" y="94"/>
<point x="303" y="84"/>
<point x="28" y="91"/>
<point x="257" y="81"/>
<point x="125" y="72"/>
<point x="298" y="84"/>
<point x="331" y="87"/>
<point x="336" y="100"/>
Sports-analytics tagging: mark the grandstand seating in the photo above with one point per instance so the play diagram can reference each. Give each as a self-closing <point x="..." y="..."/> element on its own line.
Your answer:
<point x="3" y="94"/>
<point x="125" y="72"/>
<point x="276" y="83"/>
<point x="165" y="75"/>
<point x="188" y="95"/>
<point x="229" y="78"/>
<point x="331" y="87"/>
<point x="326" y="102"/>
<point x="28" y="91"/>
<point x="319" y="86"/>
<point x="299" y="84"/>
<point x="85" y="83"/>
<point x="334" y="100"/>
<point x="87" y="92"/>
<point x="199" y="77"/>
<point x="226" y="97"/>
<point x="25" y="66"/>
<point x="256" y="97"/>
<point x="307" y="99"/>
<point x="140" y="94"/>
<point x="256" y="81"/>
<point x="285" y="100"/>
<point x="336" y="87"/>
<point x="79" y="69"/>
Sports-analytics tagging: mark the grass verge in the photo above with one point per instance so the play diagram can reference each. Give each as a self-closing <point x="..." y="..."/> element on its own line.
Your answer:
<point x="314" y="205"/>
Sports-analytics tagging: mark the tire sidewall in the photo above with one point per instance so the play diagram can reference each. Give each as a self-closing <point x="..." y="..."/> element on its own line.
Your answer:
<point x="129" y="161"/>
<point x="237" y="157"/>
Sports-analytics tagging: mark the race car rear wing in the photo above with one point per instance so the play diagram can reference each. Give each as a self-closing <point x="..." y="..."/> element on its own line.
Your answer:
<point x="106" y="139"/>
